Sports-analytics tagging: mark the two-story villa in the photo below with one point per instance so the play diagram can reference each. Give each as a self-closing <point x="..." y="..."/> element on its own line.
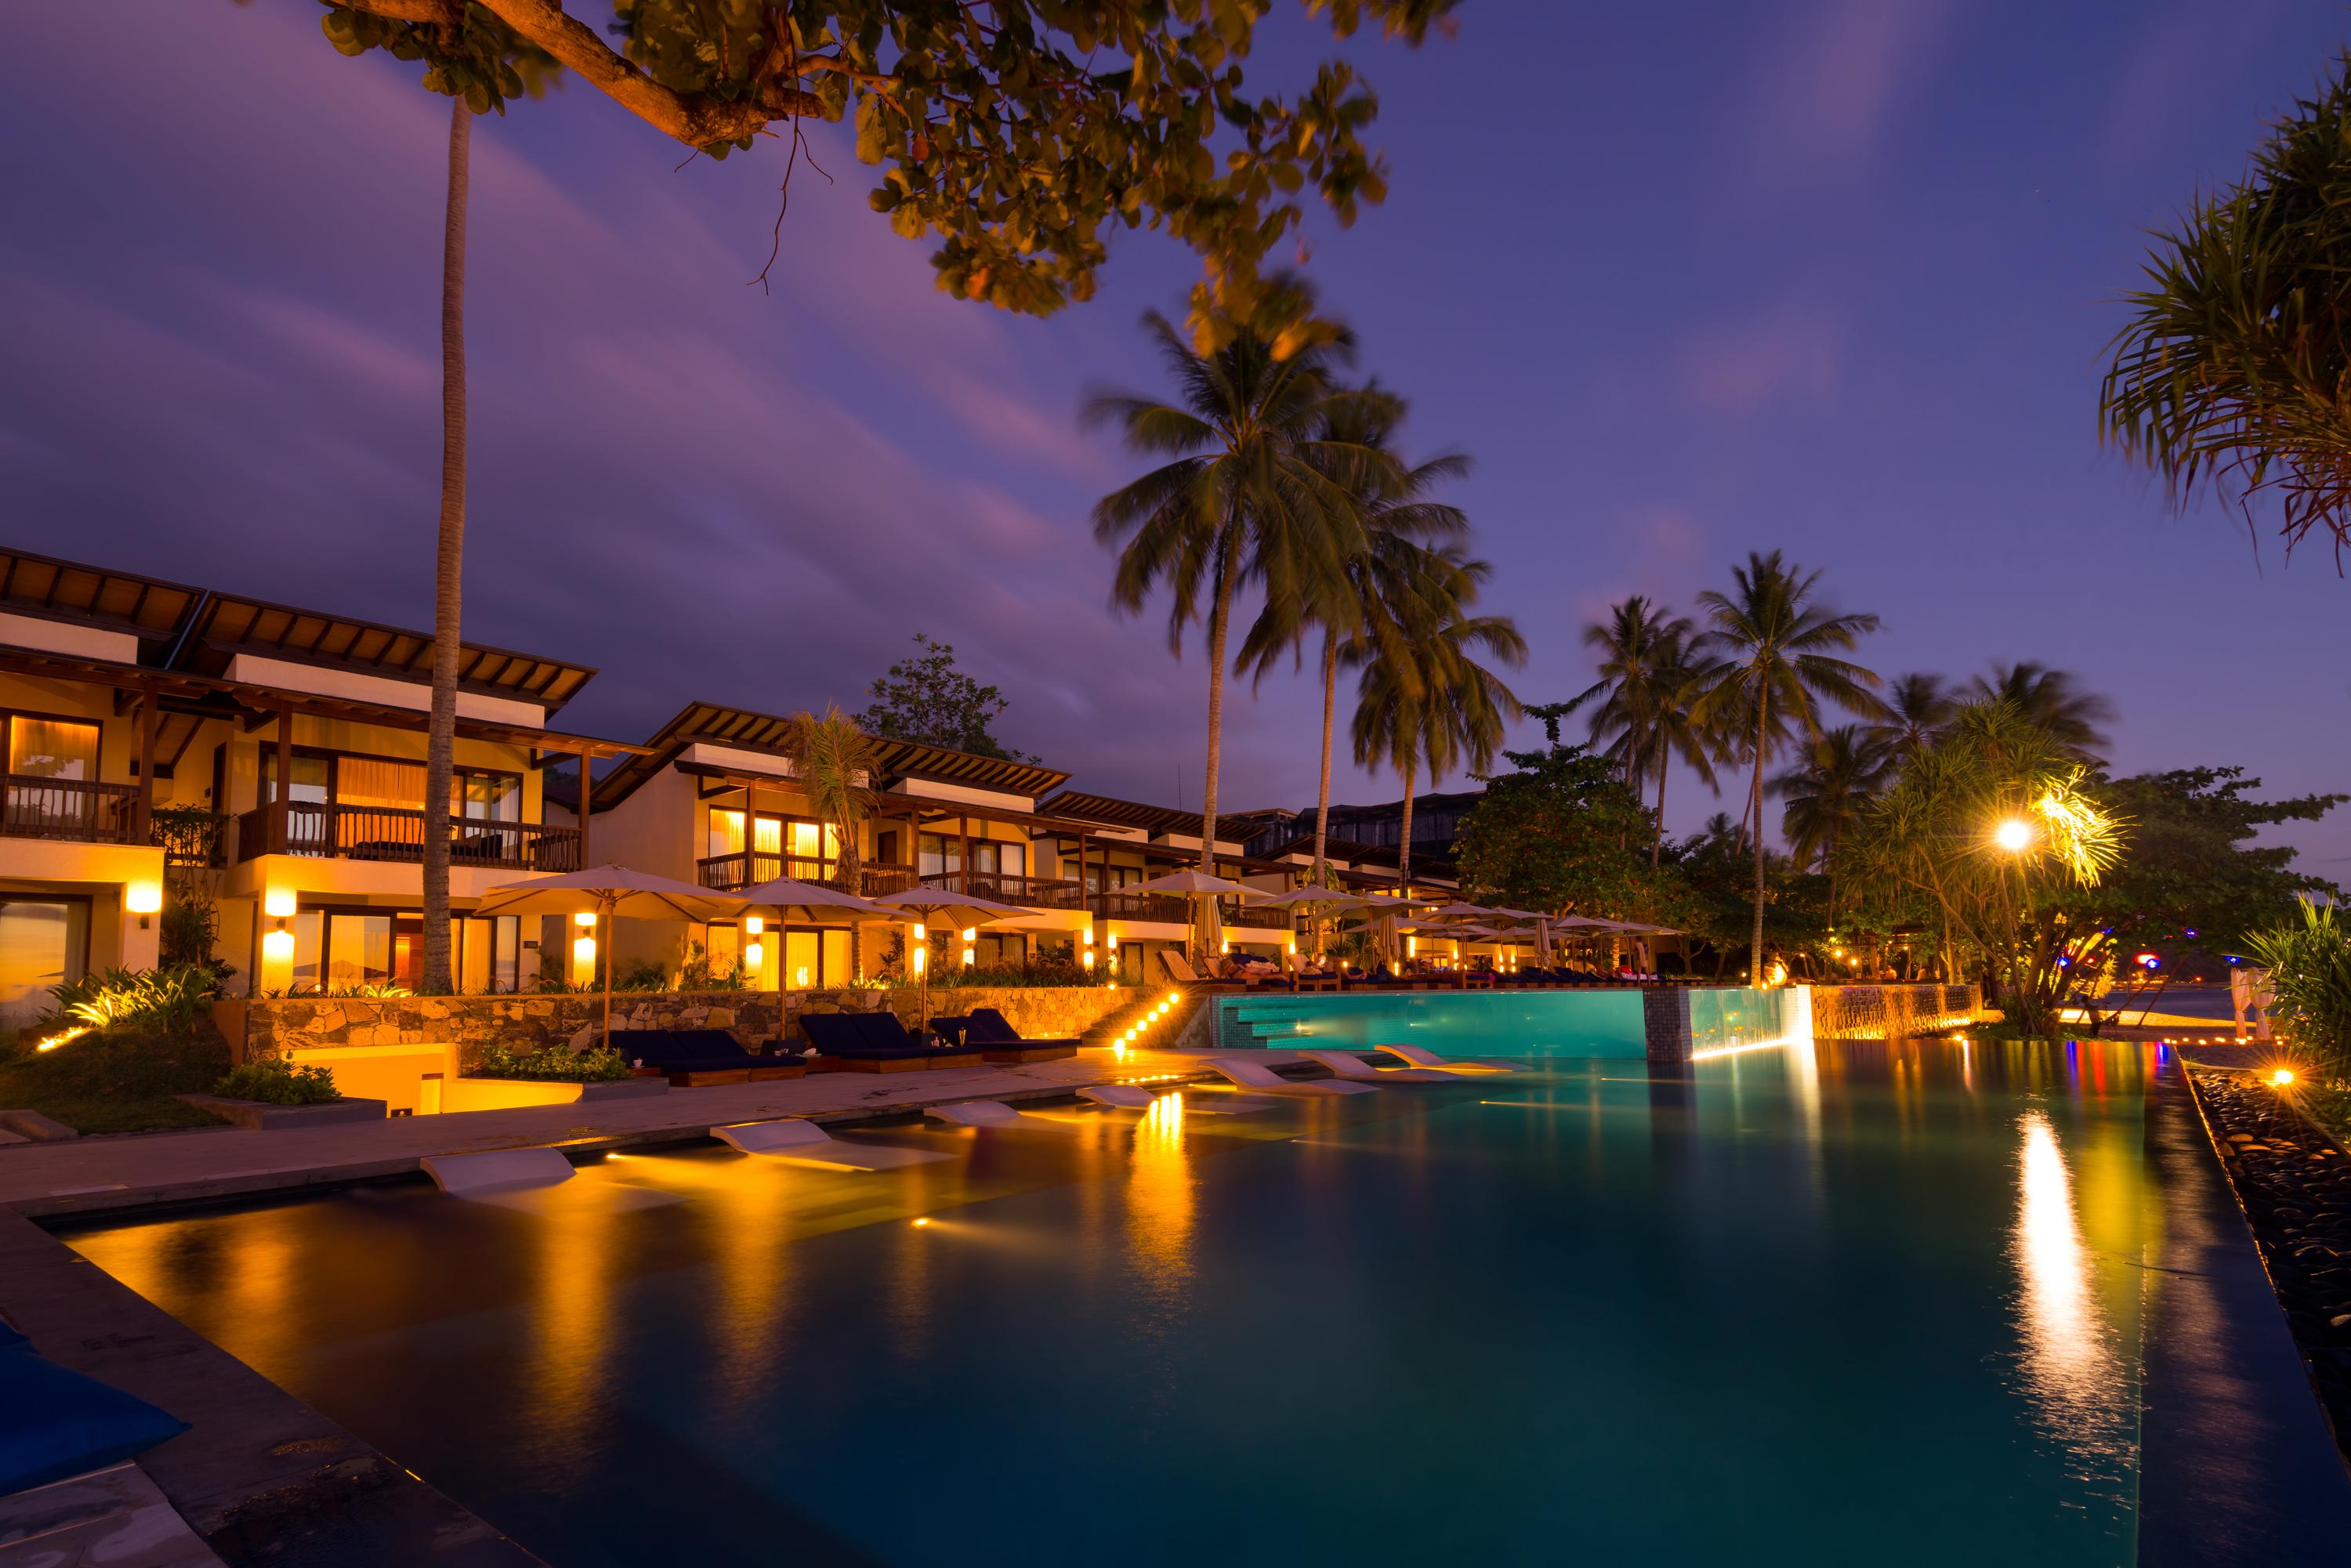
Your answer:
<point x="280" y="753"/>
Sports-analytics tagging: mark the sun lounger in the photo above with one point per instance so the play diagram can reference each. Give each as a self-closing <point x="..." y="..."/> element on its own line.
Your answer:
<point x="875" y="1042"/>
<point x="992" y="1034"/>
<point x="1261" y="1079"/>
<point x="983" y="1113"/>
<point x="697" y="1057"/>
<point x="504" y="1170"/>
<point x="1353" y="1068"/>
<point x="1180" y="971"/>
<point x="1421" y="1057"/>
<point x="803" y="1142"/>
<point x="1125" y="1096"/>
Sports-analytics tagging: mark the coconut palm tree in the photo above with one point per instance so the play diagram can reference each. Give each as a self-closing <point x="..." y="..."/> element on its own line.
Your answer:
<point x="1918" y="707"/>
<point x="1422" y="696"/>
<point x="1258" y="492"/>
<point x="448" y="562"/>
<point x="1773" y="652"/>
<point x="1644" y="692"/>
<point x="2054" y="700"/>
<point x="1397" y="522"/>
<point x="1839" y="772"/>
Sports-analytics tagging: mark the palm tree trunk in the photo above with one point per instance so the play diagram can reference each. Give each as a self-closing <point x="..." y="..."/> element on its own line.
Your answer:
<point x="1657" y="843"/>
<point x="1762" y="728"/>
<point x="1220" y="619"/>
<point x="1403" y="837"/>
<point x="440" y="733"/>
<point x="1322" y="788"/>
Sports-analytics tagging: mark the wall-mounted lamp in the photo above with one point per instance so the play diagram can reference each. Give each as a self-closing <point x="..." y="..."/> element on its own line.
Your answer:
<point x="586" y="917"/>
<point x="754" y="956"/>
<point x="753" y="925"/>
<point x="143" y="899"/>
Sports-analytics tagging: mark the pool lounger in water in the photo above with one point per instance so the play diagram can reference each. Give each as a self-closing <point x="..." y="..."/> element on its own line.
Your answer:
<point x="1263" y="1079"/>
<point x="988" y="1113"/>
<point x="506" y="1170"/>
<point x="802" y="1142"/>
<point x="1125" y="1096"/>
<point x="1348" y="1065"/>
<point x="1419" y="1056"/>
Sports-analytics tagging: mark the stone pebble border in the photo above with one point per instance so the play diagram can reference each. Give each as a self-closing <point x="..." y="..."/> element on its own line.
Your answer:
<point x="2293" y="1182"/>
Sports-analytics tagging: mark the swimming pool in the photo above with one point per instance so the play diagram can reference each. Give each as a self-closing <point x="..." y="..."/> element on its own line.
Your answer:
<point x="1849" y="1303"/>
<point x="1503" y="1022"/>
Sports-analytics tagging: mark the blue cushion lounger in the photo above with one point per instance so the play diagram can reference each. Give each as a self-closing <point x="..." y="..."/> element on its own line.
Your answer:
<point x="998" y="1040"/>
<point x="690" y="1058"/>
<point x="876" y="1043"/>
<point x="55" y="1423"/>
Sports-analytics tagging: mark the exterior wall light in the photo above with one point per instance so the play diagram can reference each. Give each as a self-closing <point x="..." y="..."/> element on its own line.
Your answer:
<point x="279" y="904"/>
<point x="144" y="898"/>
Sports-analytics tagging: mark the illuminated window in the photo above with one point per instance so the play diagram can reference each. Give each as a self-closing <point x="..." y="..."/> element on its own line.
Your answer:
<point x="52" y="748"/>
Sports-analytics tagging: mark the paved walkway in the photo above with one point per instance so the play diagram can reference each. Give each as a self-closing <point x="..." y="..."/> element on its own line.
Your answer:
<point x="93" y="1174"/>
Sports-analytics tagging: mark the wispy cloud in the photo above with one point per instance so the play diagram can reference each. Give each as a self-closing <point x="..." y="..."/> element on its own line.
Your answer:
<point x="1792" y="349"/>
<point x="1833" y="82"/>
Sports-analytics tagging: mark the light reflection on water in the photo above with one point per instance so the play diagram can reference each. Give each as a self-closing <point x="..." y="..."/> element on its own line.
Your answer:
<point x="2069" y="1364"/>
<point x="1836" y="1291"/>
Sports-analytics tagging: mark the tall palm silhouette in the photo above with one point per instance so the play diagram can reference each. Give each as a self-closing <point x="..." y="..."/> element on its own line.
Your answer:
<point x="1773" y="651"/>
<point x="1836" y="775"/>
<point x="1398" y="521"/>
<point x="1257" y="492"/>
<point x="1918" y="707"/>
<point x="1645" y="717"/>
<point x="2054" y="700"/>
<point x="1423" y="698"/>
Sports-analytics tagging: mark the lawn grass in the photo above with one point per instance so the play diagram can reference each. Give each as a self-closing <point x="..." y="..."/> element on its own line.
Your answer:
<point x="120" y="1079"/>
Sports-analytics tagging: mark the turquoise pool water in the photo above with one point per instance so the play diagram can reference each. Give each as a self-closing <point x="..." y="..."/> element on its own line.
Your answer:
<point x="1519" y="1024"/>
<point x="1846" y="1304"/>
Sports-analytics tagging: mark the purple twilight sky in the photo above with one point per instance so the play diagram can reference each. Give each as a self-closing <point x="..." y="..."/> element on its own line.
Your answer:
<point x="1831" y="276"/>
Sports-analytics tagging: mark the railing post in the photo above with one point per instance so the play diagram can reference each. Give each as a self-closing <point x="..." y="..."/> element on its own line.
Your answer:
<point x="143" y="813"/>
<point x="280" y="809"/>
<point x="586" y="802"/>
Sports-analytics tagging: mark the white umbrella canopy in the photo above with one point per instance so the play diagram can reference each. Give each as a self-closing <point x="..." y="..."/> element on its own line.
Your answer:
<point x="938" y="909"/>
<point x="813" y="904"/>
<point x="1312" y="898"/>
<point x="609" y="892"/>
<point x="1462" y="911"/>
<point x="1196" y="883"/>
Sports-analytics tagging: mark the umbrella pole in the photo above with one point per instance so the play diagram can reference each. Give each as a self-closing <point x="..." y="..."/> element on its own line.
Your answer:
<point x="604" y="926"/>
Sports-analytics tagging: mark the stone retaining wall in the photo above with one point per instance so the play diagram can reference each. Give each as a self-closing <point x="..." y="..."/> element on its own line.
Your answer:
<point x="1892" y="1012"/>
<point x="259" y="1028"/>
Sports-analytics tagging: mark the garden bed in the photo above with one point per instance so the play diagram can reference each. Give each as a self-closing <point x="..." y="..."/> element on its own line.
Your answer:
<point x="2293" y="1182"/>
<point x="122" y="1079"/>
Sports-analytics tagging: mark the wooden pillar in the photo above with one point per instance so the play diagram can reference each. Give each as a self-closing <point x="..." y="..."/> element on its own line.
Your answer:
<point x="281" y="809"/>
<point x="587" y="801"/>
<point x="146" y="807"/>
<point x="963" y="835"/>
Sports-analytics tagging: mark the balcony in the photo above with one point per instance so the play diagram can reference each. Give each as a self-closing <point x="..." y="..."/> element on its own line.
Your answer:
<point x="76" y="808"/>
<point x="731" y="873"/>
<point x="1007" y="887"/>
<point x="331" y="831"/>
<point x="1260" y="919"/>
<point x="1167" y="908"/>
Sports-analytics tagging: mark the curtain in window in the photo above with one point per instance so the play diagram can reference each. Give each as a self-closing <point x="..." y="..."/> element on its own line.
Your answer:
<point x="367" y="781"/>
<point x="726" y="832"/>
<point x="52" y="748"/>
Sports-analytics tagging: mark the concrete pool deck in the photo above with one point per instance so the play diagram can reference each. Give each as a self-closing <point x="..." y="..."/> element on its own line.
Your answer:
<point x="96" y="1176"/>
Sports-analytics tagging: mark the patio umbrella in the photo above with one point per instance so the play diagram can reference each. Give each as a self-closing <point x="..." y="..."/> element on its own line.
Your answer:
<point x="1313" y="901"/>
<point x="608" y="890"/>
<point x="812" y="903"/>
<point x="940" y="909"/>
<point x="1206" y="889"/>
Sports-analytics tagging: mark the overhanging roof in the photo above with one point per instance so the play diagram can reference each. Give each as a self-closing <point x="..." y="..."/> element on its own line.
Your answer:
<point x="1117" y="813"/>
<point x="186" y="628"/>
<point x="718" y="724"/>
<point x="207" y="696"/>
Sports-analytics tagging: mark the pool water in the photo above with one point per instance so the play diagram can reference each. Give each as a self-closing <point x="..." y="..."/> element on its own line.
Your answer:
<point x="1844" y="1304"/>
<point x="1505" y="1022"/>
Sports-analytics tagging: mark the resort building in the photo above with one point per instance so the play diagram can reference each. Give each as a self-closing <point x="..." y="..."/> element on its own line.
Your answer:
<point x="266" y="765"/>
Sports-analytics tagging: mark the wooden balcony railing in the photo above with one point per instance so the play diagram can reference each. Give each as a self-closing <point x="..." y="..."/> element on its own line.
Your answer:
<point x="727" y="873"/>
<point x="1167" y="908"/>
<point x="1007" y="887"/>
<point x="79" y="808"/>
<point x="331" y="831"/>
<point x="1260" y="919"/>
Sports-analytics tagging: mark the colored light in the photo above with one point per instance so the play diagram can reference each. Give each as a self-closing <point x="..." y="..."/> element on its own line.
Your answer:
<point x="2281" y="1079"/>
<point x="279" y="904"/>
<point x="753" y="925"/>
<point x="143" y="897"/>
<point x="2014" y="836"/>
<point x="277" y="947"/>
<point x="754" y="956"/>
<point x="585" y="917"/>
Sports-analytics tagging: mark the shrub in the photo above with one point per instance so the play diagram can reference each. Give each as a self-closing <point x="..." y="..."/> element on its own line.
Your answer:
<point x="2310" y="973"/>
<point x="277" y="1081"/>
<point x="553" y="1064"/>
<point x="166" y="999"/>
